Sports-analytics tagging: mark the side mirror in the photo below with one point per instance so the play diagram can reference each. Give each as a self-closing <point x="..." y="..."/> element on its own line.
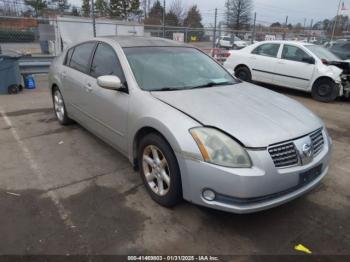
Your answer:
<point x="110" y="82"/>
<point x="309" y="60"/>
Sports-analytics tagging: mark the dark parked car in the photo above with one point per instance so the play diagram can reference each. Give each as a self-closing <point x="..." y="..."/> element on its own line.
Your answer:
<point x="342" y="50"/>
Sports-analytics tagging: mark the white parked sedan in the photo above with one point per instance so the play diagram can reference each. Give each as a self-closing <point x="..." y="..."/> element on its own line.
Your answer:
<point x="230" y="42"/>
<point x="296" y="65"/>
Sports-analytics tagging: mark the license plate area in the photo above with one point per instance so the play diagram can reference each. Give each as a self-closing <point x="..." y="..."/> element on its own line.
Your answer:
<point x="310" y="175"/>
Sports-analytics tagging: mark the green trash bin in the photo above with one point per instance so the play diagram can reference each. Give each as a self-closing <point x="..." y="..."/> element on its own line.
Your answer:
<point x="10" y="77"/>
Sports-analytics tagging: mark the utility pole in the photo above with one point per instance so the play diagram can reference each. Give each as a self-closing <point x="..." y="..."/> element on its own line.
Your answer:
<point x="309" y="34"/>
<point x="335" y="22"/>
<point x="164" y="19"/>
<point x="214" y="35"/>
<point x="37" y="9"/>
<point x="285" y="28"/>
<point x="93" y="17"/>
<point x="253" y="34"/>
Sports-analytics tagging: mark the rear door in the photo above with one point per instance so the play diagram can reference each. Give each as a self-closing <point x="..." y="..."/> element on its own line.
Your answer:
<point x="75" y="77"/>
<point x="263" y="60"/>
<point x="292" y="70"/>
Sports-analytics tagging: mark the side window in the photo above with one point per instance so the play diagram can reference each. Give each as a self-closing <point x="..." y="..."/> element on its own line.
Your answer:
<point x="68" y="56"/>
<point x="267" y="50"/>
<point x="293" y="53"/>
<point x="106" y="62"/>
<point x="81" y="57"/>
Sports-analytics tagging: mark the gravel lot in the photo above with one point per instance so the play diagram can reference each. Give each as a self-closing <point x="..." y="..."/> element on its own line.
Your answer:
<point x="64" y="191"/>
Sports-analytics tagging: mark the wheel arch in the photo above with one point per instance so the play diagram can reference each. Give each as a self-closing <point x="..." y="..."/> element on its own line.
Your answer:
<point x="242" y="65"/>
<point x="52" y="87"/>
<point x="144" y="131"/>
<point x="338" y="91"/>
<point x="321" y="78"/>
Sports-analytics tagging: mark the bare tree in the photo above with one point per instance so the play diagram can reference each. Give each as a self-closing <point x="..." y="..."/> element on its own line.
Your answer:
<point x="178" y="9"/>
<point x="146" y="7"/>
<point x="238" y="13"/>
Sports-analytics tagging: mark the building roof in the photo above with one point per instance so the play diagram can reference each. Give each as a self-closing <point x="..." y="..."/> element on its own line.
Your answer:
<point x="138" y="41"/>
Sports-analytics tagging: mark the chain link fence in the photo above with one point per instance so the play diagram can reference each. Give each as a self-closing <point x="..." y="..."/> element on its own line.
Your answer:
<point x="49" y="36"/>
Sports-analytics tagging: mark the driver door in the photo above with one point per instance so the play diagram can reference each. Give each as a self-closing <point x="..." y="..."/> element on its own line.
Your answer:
<point x="108" y="109"/>
<point x="292" y="68"/>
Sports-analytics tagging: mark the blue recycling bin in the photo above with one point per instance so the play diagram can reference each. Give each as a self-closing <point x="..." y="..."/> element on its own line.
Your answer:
<point x="29" y="82"/>
<point x="10" y="77"/>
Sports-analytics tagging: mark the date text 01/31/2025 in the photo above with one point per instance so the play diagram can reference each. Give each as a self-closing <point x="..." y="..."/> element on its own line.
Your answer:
<point x="173" y="258"/>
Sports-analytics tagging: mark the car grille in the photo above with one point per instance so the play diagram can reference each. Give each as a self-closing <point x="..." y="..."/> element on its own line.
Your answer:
<point x="284" y="155"/>
<point x="317" y="141"/>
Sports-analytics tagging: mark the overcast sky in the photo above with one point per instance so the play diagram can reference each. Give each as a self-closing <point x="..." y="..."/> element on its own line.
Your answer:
<point x="269" y="11"/>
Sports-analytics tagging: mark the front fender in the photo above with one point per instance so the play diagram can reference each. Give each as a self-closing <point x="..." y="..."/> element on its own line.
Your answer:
<point x="332" y="72"/>
<point x="171" y="123"/>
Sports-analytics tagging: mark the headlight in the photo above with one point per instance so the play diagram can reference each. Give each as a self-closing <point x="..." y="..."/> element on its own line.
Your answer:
<point x="220" y="149"/>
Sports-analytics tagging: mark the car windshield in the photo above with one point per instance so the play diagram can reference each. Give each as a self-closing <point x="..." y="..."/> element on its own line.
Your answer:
<point x="322" y="53"/>
<point x="175" y="68"/>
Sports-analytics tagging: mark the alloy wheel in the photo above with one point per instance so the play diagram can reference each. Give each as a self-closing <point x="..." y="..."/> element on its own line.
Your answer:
<point x="59" y="105"/>
<point x="156" y="170"/>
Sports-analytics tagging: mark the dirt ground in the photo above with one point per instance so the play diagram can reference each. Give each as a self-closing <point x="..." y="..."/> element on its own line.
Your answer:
<point x="64" y="191"/>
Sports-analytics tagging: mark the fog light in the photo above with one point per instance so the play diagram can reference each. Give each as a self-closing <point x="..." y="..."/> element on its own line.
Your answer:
<point x="208" y="194"/>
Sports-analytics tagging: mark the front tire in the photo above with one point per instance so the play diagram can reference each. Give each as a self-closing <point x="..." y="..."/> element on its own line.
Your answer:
<point x="60" y="108"/>
<point x="325" y="90"/>
<point x="243" y="73"/>
<point x="159" y="170"/>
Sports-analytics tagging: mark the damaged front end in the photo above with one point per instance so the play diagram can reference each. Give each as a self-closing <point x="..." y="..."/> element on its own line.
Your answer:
<point x="345" y="77"/>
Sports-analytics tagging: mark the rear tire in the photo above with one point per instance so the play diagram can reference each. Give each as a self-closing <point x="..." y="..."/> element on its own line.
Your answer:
<point x="325" y="90"/>
<point x="159" y="170"/>
<point x="60" y="107"/>
<point x="243" y="73"/>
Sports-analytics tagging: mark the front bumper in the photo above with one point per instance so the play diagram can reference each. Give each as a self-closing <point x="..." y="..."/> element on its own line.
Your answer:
<point x="247" y="190"/>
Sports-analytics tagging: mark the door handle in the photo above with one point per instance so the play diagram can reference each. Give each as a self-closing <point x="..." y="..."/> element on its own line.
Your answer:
<point x="281" y="62"/>
<point x="88" y="87"/>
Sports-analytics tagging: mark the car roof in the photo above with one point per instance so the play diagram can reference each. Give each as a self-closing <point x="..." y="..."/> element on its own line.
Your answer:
<point x="142" y="41"/>
<point x="286" y="42"/>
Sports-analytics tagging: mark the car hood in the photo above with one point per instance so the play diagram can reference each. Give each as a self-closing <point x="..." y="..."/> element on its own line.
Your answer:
<point x="256" y="116"/>
<point x="240" y="43"/>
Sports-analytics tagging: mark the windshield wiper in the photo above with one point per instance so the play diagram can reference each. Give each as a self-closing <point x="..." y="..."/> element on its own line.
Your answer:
<point x="169" y="89"/>
<point x="211" y="84"/>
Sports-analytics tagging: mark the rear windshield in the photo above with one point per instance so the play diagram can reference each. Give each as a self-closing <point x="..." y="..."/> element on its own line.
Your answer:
<point x="322" y="53"/>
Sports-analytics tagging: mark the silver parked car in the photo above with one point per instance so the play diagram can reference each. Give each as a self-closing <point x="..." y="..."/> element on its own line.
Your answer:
<point x="191" y="128"/>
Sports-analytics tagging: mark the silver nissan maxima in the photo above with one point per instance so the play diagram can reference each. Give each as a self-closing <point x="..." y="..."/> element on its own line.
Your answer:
<point x="193" y="130"/>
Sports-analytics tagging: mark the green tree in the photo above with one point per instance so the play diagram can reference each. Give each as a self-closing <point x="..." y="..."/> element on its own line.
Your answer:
<point x="62" y="5"/>
<point x="124" y="8"/>
<point x="74" y="11"/>
<point x="101" y="7"/>
<point x="171" y="19"/>
<point x="276" y="24"/>
<point x="155" y="15"/>
<point x="86" y="8"/>
<point x="37" y="5"/>
<point x="194" y="20"/>
<point x="327" y="25"/>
